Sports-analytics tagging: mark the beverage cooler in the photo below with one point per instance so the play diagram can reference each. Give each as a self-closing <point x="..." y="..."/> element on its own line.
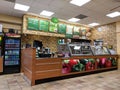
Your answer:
<point x="1" y="45"/>
<point x="12" y="51"/>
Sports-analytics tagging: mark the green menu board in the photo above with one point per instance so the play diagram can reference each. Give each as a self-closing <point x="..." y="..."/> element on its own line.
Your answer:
<point x="83" y="32"/>
<point x="44" y="25"/>
<point x="53" y="27"/>
<point x="69" y="31"/>
<point x="32" y="24"/>
<point x="62" y="28"/>
<point x="76" y="31"/>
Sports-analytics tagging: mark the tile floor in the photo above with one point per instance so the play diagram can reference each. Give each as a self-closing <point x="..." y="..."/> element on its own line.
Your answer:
<point x="101" y="81"/>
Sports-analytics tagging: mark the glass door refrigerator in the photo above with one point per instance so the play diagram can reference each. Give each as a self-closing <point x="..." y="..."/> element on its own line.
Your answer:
<point x="12" y="51"/>
<point x="1" y="44"/>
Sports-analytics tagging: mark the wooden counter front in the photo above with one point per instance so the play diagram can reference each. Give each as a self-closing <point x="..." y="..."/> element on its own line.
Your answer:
<point x="1" y="64"/>
<point x="47" y="68"/>
<point x="43" y="68"/>
<point x="39" y="68"/>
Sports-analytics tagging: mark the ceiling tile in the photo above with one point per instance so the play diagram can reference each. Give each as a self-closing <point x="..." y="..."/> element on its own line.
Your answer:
<point x="6" y="4"/>
<point x="96" y="10"/>
<point x="25" y="2"/>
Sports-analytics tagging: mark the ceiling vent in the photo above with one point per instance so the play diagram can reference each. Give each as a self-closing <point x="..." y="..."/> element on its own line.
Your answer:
<point x="13" y="1"/>
<point x="81" y="16"/>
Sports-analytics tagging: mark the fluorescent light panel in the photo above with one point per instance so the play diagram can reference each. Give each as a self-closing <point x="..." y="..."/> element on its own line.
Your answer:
<point x="94" y="24"/>
<point x="21" y="7"/>
<point x="79" y="2"/>
<point x="73" y="19"/>
<point x="114" y="14"/>
<point x="46" y="13"/>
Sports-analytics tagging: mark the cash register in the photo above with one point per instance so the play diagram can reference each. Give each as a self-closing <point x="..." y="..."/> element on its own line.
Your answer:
<point x="41" y="52"/>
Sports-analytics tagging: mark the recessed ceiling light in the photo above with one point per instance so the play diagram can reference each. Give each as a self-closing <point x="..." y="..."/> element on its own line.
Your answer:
<point x="73" y="19"/>
<point x="94" y="24"/>
<point x="21" y="7"/>
<point x="46" y="13"/>
<point x="79" y="2"/>
<point x="114" y="14"/>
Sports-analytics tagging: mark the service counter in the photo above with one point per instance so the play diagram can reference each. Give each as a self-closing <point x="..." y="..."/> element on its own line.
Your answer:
<point x="43" y="68"/>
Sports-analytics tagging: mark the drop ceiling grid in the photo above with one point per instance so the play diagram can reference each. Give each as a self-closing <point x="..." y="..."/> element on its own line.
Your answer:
<point x="58" y="4"/>
<point x="103" y="6"/>
<point x="25" y="2"/>
<point x="42" y="2"/>
<point x="96" y="10"/>
<point x="6" y="5"/>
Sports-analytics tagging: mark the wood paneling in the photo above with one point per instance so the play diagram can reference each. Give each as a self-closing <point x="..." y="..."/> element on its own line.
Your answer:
<point x="47" y="60"/>
<point x="49" y="67"/>
<point x="28" y="62"/>
<point x="1" y="64"/>
<point x="48" y="74"/>
<point x="43" y="67"/>
<point x="27" y="73"/>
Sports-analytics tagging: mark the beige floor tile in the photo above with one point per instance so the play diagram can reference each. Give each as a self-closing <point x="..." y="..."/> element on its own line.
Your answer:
<point x="38" y="87"/>
<point x="101" y="81"/>
<point x="27" y="88"/>
<point x="3" y="86"/>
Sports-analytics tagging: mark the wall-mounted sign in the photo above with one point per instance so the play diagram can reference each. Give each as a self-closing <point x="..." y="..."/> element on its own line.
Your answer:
<point x="69" y="31"/>
<point x="44" y="25"/>
<point x="62" y="28"/>
<point x="76" y="31"/>
<point x="32" y="24"/>
<point x="53" y="27"/>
